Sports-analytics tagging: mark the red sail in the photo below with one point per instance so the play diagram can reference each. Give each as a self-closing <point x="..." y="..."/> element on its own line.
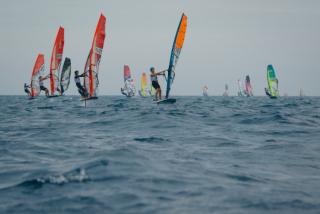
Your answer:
<point x="56" y="58"/>
<point x="91" y="79"/>
<point x="38" y="69"/>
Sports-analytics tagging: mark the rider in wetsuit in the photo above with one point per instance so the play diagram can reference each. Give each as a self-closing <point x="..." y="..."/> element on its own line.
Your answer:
<point x="155" y="83"/>
<point x="26" y="89"/>
<point x="82" y="91"/>
<point x="42" y="88"/>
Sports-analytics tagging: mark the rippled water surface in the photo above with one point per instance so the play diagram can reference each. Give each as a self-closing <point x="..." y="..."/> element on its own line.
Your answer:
<point x="199" y="155"/>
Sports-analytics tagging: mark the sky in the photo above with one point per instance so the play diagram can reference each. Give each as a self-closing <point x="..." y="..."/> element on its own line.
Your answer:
<point x="225" y="41"/>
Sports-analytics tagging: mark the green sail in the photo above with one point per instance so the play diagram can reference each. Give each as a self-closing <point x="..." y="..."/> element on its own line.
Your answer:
<point x="272" y="82"/>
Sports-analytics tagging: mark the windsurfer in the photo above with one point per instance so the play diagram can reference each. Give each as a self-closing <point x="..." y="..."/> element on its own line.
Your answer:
<point x="154" y="79"/>
<point x="81" y="89"/>
<point x="26" y="89"/>
<point x="42" y="88"/>
<point x="267" y="92"/>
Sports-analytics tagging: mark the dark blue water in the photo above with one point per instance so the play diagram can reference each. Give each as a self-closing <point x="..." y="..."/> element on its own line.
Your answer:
<point x="200" y="155"/>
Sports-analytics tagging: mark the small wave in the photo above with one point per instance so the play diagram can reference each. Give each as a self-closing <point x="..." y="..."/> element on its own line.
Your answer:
<point x="102" y="123"/>
<point x="151" y="139"/>
<point x="79" y="176"/>
<point x="116" y="106"/>
<point x="46" y="107"/>
<point x="291" y="105"/>
<point x="242" y="178"/>
<point x="226" y="144"/>
<point x="176" y="113"/>
<point x="267" y="106"/>
<point x="293" y="204"/>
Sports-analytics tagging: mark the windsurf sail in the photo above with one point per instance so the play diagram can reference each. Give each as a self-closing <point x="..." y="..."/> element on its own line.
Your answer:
<point x="272" y="90"/>
<point x="301" y="93"/>
<point x="175" y="52"/>
<point x="205" y="91"/>
<point x="65" y="75"/>
<point x="144" y="91"/>
<point x="38" y="69"/>
<point x="248" y="87"/>
<point x="91" y="81"/>
<point x="56" y="58"/>
<point x="226" y="93"/>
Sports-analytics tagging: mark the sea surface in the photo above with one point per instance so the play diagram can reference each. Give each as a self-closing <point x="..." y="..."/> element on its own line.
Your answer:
<point x="130" y="155"/>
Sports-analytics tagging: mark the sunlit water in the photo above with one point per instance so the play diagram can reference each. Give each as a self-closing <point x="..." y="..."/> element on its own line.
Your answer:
<point x="199" y="155"/>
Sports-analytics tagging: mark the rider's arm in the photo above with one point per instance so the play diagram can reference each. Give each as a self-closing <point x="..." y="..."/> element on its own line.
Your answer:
<point x="82" y="75"/>
<point x="162" y="72"/>
<point x="46" y="77"/>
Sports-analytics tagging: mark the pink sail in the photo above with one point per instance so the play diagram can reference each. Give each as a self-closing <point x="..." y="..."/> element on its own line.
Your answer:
<point x="126" y="72"/>
<point x="248" y="87"/>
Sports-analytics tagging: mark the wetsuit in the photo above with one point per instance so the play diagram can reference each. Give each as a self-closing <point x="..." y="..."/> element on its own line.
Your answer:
<point x="42" y="86"/>
<point x="26" y="89"/>
<point x="154" y="81"/>
<point x="81" y="89"/>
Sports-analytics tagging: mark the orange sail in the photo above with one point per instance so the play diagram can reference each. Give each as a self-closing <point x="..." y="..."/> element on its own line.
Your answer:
<point x="38" y="69"/>
<point x="175" y="52"/>
<point x="91" y="81"/>
<point x="56" y="58"/>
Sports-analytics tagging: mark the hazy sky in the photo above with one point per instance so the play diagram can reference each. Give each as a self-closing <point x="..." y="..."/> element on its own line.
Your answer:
<point x="225" y="40"/>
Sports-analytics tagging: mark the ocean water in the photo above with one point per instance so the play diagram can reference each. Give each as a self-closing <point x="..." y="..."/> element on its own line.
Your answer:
<point x="199" y="155"/>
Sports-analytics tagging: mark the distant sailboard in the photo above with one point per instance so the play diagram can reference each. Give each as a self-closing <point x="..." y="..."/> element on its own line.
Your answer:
<point x="205" y="91"/>
<point x="129" y="89"/>
<point x="240" y="90"/>
<point x="144" y="92"/>
<point x="248" y="88"/>
<point x="91" y="70"/>
<point x="38" y="69"/>
<point x="226" y="91"/>
<point x="174" y="57"/>
<point x="272" y="90"/>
